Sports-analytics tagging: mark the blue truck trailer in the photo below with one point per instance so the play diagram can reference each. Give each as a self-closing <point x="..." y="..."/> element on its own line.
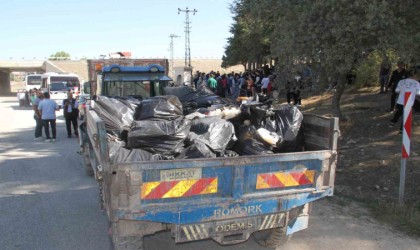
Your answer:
<point x="223" y="199"/>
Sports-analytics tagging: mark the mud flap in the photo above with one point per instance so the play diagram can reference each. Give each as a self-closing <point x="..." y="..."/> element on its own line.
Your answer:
<point x="297" y="224"/>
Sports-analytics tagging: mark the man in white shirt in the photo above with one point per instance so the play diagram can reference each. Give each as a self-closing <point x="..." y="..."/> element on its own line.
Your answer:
<point x="410" y="84"/>
<point x="47" y="108"/>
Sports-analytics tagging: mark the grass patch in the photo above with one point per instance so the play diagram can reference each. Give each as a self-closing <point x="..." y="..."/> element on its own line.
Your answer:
<point x="404" y="217"/>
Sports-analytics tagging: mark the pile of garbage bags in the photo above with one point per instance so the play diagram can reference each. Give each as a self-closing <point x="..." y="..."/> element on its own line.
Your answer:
<point x="196" y="124"/>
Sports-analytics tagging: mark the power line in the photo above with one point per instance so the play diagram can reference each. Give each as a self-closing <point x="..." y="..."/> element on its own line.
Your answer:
<point x="171" y="50"/>
<point x="187" y="34"/>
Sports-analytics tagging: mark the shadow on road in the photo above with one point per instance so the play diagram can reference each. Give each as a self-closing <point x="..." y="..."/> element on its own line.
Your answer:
<point x="46" y="199"/>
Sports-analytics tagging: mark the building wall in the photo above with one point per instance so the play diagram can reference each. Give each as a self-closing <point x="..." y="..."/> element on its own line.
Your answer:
<point x="207" y="65"/>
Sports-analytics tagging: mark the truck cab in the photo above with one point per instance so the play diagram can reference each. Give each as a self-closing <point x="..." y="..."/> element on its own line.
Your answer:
<point x="124" y="81"/>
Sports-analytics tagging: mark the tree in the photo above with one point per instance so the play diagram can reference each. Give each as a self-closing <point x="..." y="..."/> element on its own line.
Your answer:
<point x="250" y="43"/>
<point x="336" y="36"/>
<point x="60" y="55"/>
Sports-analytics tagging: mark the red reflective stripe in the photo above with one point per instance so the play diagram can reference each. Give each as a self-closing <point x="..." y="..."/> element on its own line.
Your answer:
<point x="272" y="180"/>
<point x="300" y="177"/>
<point x="198" y="187"/>
<point x="404" y="153"/>
<point x="160" y="190"/>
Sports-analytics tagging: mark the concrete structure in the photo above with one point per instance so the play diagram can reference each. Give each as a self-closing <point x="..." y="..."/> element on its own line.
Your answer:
<point x="40" y="66"/>
<point x="182" y="76"/>
<point x="8" y="66"/>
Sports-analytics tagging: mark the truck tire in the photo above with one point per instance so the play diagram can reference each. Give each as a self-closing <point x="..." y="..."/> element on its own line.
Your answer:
<point x="86" y="160"/>
<point x="125" y="243"/>
<point x="272" y="238"/>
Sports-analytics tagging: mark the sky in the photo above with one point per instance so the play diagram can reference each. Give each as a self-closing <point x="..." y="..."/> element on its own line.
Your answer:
<point x="36" y="29"/>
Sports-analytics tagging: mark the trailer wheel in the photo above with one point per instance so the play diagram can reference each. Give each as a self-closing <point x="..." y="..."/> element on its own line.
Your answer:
<point x="272" y="238"/>
<point x="86" y="159"/>
<point x="124" y="243"/>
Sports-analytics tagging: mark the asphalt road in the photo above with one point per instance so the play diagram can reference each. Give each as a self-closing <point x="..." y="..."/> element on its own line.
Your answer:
<point x="48" y="202"/>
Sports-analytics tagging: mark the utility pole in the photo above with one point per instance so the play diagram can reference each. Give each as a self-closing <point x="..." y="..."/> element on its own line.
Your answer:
<point x="171" y="50"/>
<point x="187" y="35"/>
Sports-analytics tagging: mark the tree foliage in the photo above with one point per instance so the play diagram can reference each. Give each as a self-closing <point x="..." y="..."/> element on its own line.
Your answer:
<point x="60" y="55"/>
<point x="335" y="36"/>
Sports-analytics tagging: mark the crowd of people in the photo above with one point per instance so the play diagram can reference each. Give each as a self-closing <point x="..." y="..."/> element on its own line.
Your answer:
<point x="234" y="85"/>
<point x="26" y="98"/>
<point x="45" y="115"/>
<point x="252" y="83"/>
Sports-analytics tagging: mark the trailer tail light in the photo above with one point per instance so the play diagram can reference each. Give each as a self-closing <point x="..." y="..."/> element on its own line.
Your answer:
<point x="285" y="179"/>
<point x="178" y="188"/>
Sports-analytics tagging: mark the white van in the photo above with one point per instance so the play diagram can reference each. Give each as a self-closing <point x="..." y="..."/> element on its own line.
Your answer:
<point x="32" y="81"/>
<point x="59" y="84"/>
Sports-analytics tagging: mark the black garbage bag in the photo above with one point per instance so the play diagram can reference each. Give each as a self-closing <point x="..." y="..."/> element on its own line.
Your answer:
<point x="159" y="108"/>
<point x="178" y="91"/>
<point x="195" y="151"/>
<point x="295" y="145"/>
<point x="203" y="97"/>
<point x="116" y="115"/>
<point x="130" y="101"/>
<point x="250" y="142"/>
<point x="159" y="136"/>
<point x="254" y="112"/>
<point x="285" y="121"/>
<point x="215" y="132"/>
<point x="119" y="154"/>
<point x="257" y="112"/>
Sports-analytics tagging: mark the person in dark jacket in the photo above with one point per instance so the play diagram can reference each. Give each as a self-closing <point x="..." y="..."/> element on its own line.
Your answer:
<point x="384" y="75"/>
<point x="71" y="113"/>
<point x="396" y="76"/>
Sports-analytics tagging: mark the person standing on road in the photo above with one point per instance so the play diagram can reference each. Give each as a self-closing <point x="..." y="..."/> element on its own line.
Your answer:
<point x="406" y="85"/>
<point x="47" y="108"/>
<point x="397" y="75"/>
<point x="264" y="84"/>
<point x="212" y="83"/>
<point x="384" y="76"/>
<point x="33" y="95"/>
<point x="37" y="115"/>
<point x="21" y="98"/>
<point x="71" y="113"/>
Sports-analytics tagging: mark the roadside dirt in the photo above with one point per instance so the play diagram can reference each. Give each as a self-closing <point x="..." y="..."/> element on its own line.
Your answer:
<point x="369" y="150"/>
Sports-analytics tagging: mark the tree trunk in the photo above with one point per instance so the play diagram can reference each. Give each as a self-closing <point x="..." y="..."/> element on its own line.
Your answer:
<point x="341" y="86"/>
<point x="244" y="64"/>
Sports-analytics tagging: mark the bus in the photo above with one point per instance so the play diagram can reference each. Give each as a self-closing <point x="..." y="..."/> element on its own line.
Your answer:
<point x="59" y="84"/>
<point x="32" y="81"/>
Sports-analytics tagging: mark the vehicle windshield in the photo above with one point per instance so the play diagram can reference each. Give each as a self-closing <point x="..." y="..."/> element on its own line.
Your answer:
<point x="34" y="80"/>
<point x="133" y="88"/>
<point x="64" y="83"/>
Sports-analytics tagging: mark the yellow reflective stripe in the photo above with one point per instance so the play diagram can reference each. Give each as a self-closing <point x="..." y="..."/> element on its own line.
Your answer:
<point x="261" y="184"/>
<point x="211" y="188"/>
<point x="147" y="187"/>
<point x="286" y="179"/>
<point x="310" y="174"/>
<point x="179" y="189"/>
